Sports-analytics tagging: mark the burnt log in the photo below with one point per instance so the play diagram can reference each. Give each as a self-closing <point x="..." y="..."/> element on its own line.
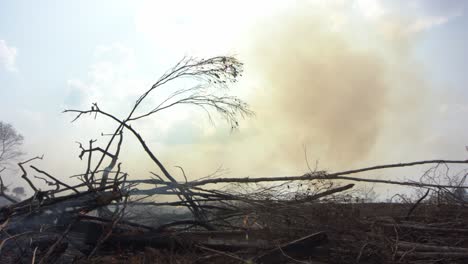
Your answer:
<point x="302" y="248"/>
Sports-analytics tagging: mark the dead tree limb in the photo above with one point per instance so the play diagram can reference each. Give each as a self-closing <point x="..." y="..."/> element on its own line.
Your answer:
<point x="51" y="250"/>
<point x="417" y="203"/>
<point x="213" y="72"/>
<point x="91" y="149"/>
<point x="327" y="192"/>
<point x="325" y="176"/>
<point x="55" y="179"/>
<point x="338" y="175"/>
<point x="431" y="248"/>
<point x="113" y="162"/>
<point x="25" y="174"/>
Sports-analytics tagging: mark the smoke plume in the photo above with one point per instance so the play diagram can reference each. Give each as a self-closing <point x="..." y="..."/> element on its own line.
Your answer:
<point x="345" y="98"/>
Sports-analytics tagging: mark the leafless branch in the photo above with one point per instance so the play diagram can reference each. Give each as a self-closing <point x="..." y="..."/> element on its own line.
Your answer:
<point x="25" y="174"/>
<point x="54" y="179"/>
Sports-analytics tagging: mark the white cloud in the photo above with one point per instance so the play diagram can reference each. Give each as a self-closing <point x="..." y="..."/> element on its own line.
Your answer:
<point x="114" y="82"/>
<point x="111" y="79"/>
<point x="428" y="22"/>
<point x="210" y="28"/>
<point x="401" y="20"/>
<point x="371" y="9"/>
<point x="453" y="109"/>
<point x="200" y="28"/>
<point x="8" y="56"/>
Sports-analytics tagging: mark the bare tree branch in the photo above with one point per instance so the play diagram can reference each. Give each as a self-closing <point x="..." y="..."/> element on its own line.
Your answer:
<point x="55" y="179"/>
<point x="25" y="174"/>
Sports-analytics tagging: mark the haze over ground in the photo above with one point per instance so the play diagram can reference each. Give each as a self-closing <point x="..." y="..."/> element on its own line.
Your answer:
<point x="355" y="82"/>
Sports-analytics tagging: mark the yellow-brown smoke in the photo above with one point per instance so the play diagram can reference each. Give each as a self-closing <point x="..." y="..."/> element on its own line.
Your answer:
<point x="320" y="92"/>
<point x="316" y="87"/>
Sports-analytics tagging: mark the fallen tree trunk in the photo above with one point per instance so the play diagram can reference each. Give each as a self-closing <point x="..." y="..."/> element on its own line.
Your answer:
<point x="430" y="248"/>
<point x="432" y="255"/>
<point x="301" y="248"/>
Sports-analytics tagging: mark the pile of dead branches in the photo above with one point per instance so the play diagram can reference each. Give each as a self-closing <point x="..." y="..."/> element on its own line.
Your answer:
<point x="310" y="218"/>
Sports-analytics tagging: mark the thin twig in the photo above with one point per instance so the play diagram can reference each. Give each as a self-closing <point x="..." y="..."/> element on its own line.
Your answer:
<point x="55" y="179"/>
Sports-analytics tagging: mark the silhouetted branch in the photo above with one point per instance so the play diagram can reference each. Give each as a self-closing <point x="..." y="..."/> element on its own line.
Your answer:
<point x="25" y="174"/>
<point x="330" y="176"/>
<point x="211" y="73"/>
<point x="55" y="179"/>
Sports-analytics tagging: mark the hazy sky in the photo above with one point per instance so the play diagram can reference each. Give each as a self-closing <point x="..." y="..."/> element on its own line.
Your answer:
<point x="356" y="82"/>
